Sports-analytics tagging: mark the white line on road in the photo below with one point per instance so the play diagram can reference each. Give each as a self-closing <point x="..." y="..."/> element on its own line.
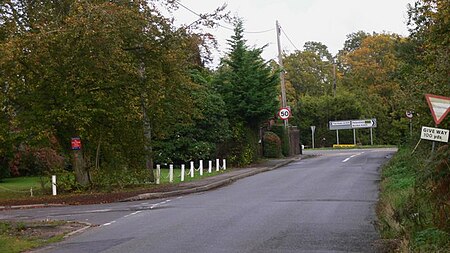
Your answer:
<point x="96" y="211"/>
<point x="346" y="160"/>
<point x="128" y="215"/>
<point x="109" y="223"/>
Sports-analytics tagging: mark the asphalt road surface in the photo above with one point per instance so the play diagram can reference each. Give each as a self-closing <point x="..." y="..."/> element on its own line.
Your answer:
<point x="321" y="204"/>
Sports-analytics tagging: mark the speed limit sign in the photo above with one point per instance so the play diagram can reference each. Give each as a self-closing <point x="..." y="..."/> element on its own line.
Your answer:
<point x="284" y="113"/>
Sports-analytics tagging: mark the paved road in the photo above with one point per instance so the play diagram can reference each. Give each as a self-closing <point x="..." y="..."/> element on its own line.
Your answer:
<point x="322" y="204"/>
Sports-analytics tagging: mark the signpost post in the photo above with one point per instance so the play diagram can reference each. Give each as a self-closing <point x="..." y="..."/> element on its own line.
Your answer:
<point x="409" y="115"/>
<point x="313" y="129"/>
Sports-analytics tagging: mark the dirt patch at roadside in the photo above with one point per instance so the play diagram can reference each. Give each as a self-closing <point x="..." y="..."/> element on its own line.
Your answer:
<point x="23" y="236"/>
<point x="85" y="198"/>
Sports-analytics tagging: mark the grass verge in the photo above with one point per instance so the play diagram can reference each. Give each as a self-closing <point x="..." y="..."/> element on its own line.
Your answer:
<point x="19" y="187"/>
<point x="20" y="236"/>
<point x="407" y="210"/>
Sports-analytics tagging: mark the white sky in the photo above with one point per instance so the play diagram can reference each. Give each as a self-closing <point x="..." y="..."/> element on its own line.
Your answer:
<point x="325" y="21"/>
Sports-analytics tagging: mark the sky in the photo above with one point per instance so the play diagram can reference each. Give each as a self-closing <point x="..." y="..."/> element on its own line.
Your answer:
<point x="325" y="21"/>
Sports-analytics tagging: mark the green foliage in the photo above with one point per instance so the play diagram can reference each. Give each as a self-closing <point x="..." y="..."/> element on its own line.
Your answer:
<point x="281" y="132"/>
<point x="414" y="198"/>
<point x="431" y="240"/>
<point x="247" y="83"/>
<point x="318" y="111"/>
<point x="310" y="71"/>
<point x="272" y="145"/>
<point x="114" y="179"/>
<point x="197" y="139"/>
<point x="242" y="148"/>
<point x="86" y="68"/>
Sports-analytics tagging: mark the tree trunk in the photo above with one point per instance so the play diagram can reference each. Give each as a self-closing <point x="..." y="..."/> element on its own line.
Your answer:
<point x="147" y="130"/>
<point x="81" y="173"/>
<point x="148" y="147"/>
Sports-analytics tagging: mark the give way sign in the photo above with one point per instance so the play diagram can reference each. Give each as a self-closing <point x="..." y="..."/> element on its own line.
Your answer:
<point x="439" y="106"/>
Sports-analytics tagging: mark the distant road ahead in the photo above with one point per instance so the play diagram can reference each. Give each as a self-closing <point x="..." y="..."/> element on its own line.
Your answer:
<point x="322" y="204"/>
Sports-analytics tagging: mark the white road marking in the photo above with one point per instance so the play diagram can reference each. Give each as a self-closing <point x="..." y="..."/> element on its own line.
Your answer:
<point x="109" y="223"/>
<point x="128" y="215"/>
<point x="96" y="211"/>
<point x="346" y="160"/>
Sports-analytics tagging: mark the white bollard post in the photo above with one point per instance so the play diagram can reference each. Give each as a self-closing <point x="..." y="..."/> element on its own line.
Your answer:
<point x="209" y="166"/>
<point x="182" y="172"/>
<point x="54" y="185"/>
<point x="171" y="173"/>
<point x="201" y="168"/>
<point x="192" y="169"/>
<point x="217" y="165"/>
<point x="224" y="164"/>
<point x="158" y="174"/>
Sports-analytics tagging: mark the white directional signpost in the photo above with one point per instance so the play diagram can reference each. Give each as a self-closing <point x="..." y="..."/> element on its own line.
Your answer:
<point x="353" y="124"/>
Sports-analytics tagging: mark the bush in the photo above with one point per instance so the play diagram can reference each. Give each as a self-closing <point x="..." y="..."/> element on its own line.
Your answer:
<point x="118" y="178"/>
<point x="272" y="145"/>
<point x="282" y="132"/>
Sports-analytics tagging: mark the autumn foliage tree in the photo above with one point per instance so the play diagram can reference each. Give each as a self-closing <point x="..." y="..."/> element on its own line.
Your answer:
<point x="105" y="71"/>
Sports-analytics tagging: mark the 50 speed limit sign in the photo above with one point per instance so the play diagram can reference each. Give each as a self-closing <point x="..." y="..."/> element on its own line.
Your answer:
<point x="284" y="113"/>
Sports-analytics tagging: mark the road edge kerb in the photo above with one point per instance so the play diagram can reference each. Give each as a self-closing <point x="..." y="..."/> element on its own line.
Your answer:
<point x="86" y="226"/>
<point x="29" y="206"/>
<point x="221" y="183"/>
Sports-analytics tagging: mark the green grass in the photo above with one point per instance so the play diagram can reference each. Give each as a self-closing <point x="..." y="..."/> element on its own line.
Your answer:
<point x="405" y="210"/>
<point x="17" y="236"/>
<point x="19" y="187"/>
<point x="187" y="176"/>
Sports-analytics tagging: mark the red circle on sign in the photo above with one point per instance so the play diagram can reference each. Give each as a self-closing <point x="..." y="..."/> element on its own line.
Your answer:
<point x="76" y="143"/>
<point x="284" y="113"/>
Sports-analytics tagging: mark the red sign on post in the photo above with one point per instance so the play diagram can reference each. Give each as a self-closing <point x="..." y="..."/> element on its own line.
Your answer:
<point x="284" y="113"/>
<point x="439" y="106"/>
<point x="76" y="143"/>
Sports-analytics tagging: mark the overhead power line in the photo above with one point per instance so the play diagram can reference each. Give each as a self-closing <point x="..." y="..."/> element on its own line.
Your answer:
<point x="287" y="37"/>
<point x="225" y="27"/>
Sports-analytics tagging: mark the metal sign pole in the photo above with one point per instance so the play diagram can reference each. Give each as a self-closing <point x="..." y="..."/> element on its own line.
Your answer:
<point x="337" y="137"/>
<point x="354" y="136"/>
<point x="371" y="137"/>
<point x="410" y="127"/>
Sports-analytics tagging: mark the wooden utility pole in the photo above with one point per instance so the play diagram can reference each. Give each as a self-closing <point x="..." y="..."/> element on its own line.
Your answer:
<point x="334" y="79"/>
<point x="282" y="73"/>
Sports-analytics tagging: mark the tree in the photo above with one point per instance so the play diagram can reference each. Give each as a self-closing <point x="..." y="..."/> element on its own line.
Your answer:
<point x="247" y="83"/>
<point x="93" y="69"/>
<point x="310" y="71"/>
<point x="199" y="138"/>
<point x="426" y="54"/>
<point x="319" y="110"/>
<point x="248" y="87"/>
<point x="371" y="72"/>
